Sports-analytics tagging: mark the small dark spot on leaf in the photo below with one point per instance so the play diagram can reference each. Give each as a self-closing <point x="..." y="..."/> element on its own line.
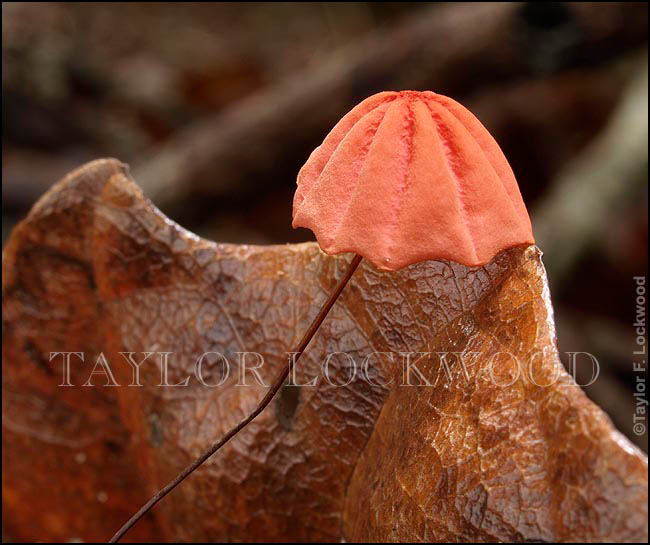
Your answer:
<point x="35" y="355"/>
<point x="288" y="400"/>
<point x="113" y="446"/>
<point x="155" y="430"/>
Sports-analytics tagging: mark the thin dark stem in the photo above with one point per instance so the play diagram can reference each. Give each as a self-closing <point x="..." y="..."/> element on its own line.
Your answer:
<point x="279" y="381"/>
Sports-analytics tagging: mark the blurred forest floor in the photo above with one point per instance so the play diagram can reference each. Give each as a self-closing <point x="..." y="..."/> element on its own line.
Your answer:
<point x="216" y="107"/>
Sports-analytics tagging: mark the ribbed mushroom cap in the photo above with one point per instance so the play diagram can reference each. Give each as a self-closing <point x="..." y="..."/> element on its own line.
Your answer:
<point x="409" y="176"/>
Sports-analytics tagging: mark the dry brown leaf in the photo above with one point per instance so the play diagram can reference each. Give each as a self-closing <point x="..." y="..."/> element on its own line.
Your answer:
<point x="95" y="268"/>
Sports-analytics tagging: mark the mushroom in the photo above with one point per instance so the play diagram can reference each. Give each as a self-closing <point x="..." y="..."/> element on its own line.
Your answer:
<point x="403" y="177"/>
<point x="410" y="176"/>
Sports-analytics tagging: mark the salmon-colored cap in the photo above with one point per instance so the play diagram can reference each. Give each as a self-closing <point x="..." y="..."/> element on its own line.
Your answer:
<point x="409" y="176"/>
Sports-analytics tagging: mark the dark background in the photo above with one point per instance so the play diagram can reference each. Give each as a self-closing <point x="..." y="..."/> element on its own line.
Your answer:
<point x="216" y="107"/>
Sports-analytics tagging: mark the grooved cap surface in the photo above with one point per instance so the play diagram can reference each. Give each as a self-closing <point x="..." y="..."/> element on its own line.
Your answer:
<point x="409" y="176"/>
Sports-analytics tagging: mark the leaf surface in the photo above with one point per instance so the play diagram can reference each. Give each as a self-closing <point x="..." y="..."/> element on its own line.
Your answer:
<point x="95" y="268"/>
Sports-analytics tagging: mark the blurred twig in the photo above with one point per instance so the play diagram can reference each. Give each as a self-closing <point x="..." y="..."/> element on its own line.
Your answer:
<point x="586" y="195"/>
<point x="449" y="47"/>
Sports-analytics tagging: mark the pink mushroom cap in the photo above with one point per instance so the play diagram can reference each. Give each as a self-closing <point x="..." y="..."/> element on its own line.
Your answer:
<point x="410" y="176"/>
